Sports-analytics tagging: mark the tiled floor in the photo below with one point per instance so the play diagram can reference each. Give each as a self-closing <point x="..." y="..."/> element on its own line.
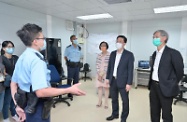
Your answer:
<point x="83" y="109"/>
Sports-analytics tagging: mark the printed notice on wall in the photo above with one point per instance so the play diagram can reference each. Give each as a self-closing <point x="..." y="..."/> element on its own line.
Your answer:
<point x="95" y="39"/>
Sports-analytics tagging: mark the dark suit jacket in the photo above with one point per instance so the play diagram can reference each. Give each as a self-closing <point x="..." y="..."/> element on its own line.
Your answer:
<point x="125" y="68"/>
<point x="170" y="71"/>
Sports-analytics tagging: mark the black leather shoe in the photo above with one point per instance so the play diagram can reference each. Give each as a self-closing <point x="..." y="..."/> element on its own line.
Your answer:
<point x="111" y="118"/>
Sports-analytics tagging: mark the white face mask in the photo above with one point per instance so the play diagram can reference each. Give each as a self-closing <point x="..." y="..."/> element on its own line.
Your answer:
<point x="118" y="46"/>
<point x="44" y="46"/>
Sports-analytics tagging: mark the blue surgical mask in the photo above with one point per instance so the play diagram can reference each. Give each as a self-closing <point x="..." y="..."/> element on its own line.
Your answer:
<point x="44" y="46"/>
<point x="9" y="50"/>
<point x="75" y="42"/>
<point x="157" y="42"/>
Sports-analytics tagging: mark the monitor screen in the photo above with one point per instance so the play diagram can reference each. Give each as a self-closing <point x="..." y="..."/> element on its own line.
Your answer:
<point x="143" y="64"/>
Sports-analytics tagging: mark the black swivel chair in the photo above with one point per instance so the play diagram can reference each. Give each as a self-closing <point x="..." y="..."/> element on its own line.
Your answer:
<point x="86" y="70"/>
<point x="56" y="81"/>
<point x="182" y="89"/>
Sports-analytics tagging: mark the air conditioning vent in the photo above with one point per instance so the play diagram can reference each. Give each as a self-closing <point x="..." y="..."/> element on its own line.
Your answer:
<point x="117" y="1"/>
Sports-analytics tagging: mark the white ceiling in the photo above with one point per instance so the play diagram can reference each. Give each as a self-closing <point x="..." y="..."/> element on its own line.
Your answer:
<point x="70" y="9"/>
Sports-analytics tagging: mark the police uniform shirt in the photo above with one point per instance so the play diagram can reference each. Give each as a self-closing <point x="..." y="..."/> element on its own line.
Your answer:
<point x="31" y="70"/>
<point x="73" y="54"/>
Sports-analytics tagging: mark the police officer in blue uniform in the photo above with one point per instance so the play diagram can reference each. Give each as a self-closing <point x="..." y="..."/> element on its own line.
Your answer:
<point x="72" y="57"/>
<point x="31" y="75"/>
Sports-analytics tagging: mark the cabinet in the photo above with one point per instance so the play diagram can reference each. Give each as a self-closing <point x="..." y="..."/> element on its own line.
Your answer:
<point x="141" y="77"/>
<point x="52" y="54"/>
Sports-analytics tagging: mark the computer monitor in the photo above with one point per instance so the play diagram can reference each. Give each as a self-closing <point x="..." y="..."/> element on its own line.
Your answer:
<point x="144" y="64"/>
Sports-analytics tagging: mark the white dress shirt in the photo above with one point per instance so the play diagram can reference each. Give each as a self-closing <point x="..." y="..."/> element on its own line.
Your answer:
<point x="117" y="60"/>
<point x="156" y="64"/>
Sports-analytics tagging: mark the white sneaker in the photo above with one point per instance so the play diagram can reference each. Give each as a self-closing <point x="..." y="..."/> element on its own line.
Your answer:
<point x="15" y="118"/>
<point x="6" y="120"/>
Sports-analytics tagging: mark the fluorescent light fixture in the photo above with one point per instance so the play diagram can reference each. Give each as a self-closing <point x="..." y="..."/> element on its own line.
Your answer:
<point x="170" y="9"/>
<point x="95" y="16"/>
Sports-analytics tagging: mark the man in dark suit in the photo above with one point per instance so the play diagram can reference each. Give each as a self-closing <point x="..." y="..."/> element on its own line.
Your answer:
<point x="120" y="76"/>
<point x="166" y="72"/>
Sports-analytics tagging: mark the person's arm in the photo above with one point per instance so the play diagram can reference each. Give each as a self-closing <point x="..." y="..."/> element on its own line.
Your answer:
<point x="151" y="70"/>
<point x="130" y="72"/>
<point x="99" y="78"/>
<point x="97" y="64"/>
<point x="65" y="58"/>
<point x="42" y="88"/>
<point x="66" y="54"/>
<point x="82" y="56"/>
<point x="50" y="92"/>
<point x="13" y="84"/>
<point x="14" y="88"/>
<point x="109" y="67"/>
<point x="178" y="65"/>
<point x="130" y="69"/>
<point x="5" y="72"/>
<point x="19" y="110"/>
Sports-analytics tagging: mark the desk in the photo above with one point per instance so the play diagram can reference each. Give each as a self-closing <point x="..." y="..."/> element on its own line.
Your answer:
<point x="141" y="77"/>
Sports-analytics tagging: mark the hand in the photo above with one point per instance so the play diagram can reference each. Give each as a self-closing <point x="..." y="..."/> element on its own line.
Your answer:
<point x="101" y="73"/>
<point x="100" y="78"/>
<point x="107" y="81"/>
<point x="20" y="113"/>
<point x="128" y="87"/>
<point x="75" y="90"/>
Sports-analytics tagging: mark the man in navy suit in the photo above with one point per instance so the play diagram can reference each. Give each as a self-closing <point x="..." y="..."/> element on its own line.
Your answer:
<point x="120" y="76"/>
<point x="166" y="72"/>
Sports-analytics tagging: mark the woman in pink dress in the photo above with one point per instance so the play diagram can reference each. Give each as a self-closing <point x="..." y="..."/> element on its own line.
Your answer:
<point x="101" y="65"/>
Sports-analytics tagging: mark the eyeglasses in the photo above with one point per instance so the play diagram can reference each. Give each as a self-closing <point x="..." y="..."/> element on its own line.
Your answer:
<point x="10" y="47"/>
<point x="41" y="38"/>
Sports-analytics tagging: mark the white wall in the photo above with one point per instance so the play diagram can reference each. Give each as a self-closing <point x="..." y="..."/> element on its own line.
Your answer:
<point x="59" y="31"/>
<point x="101" y="28"/>
<point x="142" y="35"/>
<point x="139" y="34"/>
<point x="183" y="42"/>
<point x="13" y="18"/>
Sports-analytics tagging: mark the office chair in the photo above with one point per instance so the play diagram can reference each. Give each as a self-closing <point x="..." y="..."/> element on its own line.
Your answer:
<point x="86" y="69"/>
<point x="182" y="89"/>
<point x="56" y="81"/>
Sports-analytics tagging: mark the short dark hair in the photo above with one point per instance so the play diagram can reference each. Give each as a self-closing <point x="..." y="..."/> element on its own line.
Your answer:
<point x="124" y="38"/>
<point x="72" y="36"/>
<point x="28" y="33"/>
<point x="103" y="42"/>
<point x="5" y="44"/>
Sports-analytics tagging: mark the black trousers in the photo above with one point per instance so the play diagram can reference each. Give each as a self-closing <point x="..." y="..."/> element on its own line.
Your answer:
<point x="73" y="74"/>
<point x="159" y="102"/>
<point x="115" y="102"/>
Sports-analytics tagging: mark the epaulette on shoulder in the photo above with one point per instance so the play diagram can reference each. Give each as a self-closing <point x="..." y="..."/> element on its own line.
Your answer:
<point x="79" y="47"/>
<point x="68" y="46"/>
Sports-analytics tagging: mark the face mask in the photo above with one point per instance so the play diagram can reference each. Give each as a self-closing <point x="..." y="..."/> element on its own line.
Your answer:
<point x="75" y="42"/>
<point x="118" y="45"/>
<point x="9" y="50"/>
<point x="44" y="46"/>
<point x="157" y="42"/>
